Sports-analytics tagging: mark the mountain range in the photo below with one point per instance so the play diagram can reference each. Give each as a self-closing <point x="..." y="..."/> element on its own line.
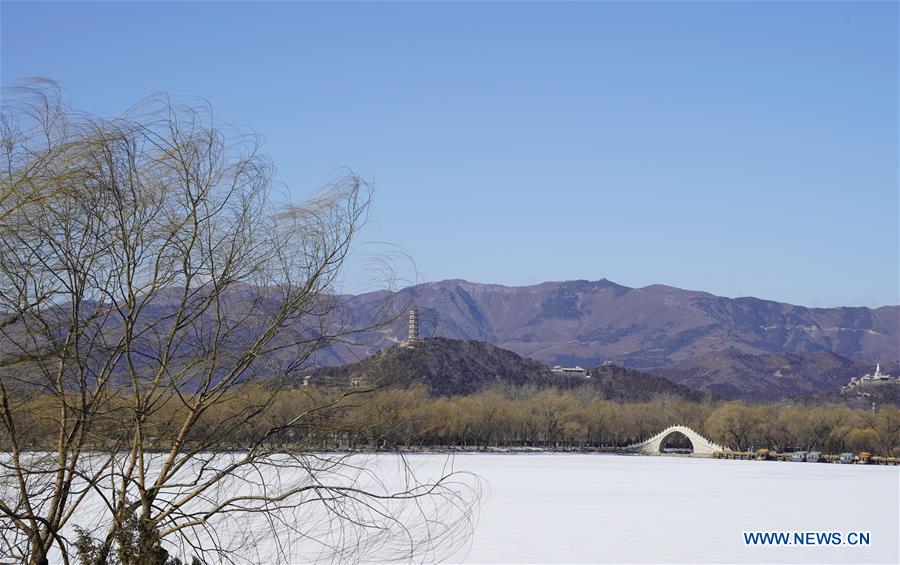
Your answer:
<point x="588" y="322"/>
<point x="725" y="347"/>
<point x="734" y="347"/>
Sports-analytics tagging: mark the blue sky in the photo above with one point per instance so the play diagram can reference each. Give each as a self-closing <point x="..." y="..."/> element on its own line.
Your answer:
<point x="741" y="149"/>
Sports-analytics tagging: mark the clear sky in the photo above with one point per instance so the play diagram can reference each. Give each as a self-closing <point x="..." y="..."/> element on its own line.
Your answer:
<point x="741" y="149"/>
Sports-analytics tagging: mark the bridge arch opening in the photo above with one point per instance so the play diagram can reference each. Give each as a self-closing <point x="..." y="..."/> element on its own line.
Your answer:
<point x="676" y="442"/>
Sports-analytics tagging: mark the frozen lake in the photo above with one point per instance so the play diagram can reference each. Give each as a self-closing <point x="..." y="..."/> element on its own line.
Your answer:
<point x="590" y="508"/>
<point x="558" y="508"/>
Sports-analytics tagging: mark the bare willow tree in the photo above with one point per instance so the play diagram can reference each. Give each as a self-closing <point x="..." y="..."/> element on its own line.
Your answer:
<point x="146" y="276"/>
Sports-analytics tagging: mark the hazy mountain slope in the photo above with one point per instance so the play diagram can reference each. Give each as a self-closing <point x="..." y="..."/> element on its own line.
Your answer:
<point x="627" y="385"/>
<point x="734" y="374"/>
<point x="588" y="322"/>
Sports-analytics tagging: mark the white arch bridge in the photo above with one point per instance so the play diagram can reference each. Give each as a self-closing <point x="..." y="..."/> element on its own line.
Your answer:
<point x="653" y="446"/>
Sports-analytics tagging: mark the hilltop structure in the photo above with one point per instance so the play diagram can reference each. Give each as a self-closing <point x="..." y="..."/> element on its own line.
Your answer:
<point x="412" y="336"/>
<point x="576" y="371"/>
<point x="871" y="378"/>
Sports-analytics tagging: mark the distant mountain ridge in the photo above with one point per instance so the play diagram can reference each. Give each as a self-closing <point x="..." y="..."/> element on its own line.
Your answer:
<point x="728" y="347"/>
<point x="587" y="322"/>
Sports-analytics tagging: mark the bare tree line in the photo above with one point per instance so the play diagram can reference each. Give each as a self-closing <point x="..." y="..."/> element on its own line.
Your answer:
<point x="146" y="275"/>
<point x="530" y="417"/>
<point x="584" y="419"/>
<point x="550" y="418"/>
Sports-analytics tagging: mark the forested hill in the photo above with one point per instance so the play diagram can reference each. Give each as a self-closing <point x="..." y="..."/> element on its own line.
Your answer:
<point x="456" y="367"/>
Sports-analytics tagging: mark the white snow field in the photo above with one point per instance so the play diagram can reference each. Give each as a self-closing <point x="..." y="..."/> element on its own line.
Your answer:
<point x="559" y="508"/>
<point x="573" y="508"/>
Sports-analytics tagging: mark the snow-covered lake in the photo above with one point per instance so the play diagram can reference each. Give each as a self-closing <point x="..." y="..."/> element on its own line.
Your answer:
<point x="589" y="508"/>
<point x="559" y="508"/>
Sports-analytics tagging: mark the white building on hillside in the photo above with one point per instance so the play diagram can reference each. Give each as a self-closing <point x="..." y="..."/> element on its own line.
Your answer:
<point x="576" y="371"/>
<point x="872" y="378"/>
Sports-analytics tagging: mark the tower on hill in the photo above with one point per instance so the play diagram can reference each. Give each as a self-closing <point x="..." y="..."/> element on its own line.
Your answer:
<point x="413" y="335"/>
